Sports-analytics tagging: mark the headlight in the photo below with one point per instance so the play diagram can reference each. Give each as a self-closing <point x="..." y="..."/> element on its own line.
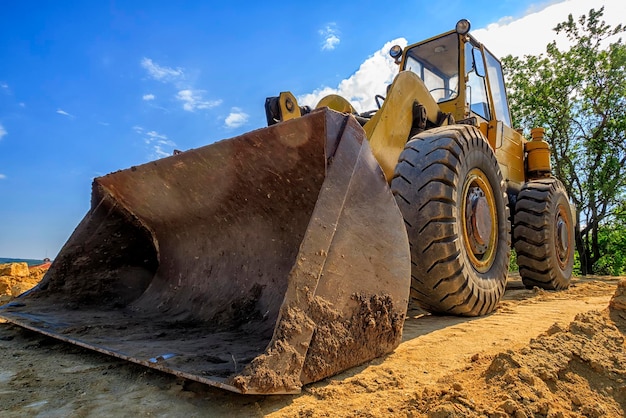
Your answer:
<point x="395" y="51"/>
<point x="462" y="26"/>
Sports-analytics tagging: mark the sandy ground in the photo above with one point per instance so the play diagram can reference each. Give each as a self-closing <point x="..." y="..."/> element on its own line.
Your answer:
<point x="544" y="354"/>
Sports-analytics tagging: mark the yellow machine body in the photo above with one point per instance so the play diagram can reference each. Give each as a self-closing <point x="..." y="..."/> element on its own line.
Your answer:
<point x="280" y="257"/>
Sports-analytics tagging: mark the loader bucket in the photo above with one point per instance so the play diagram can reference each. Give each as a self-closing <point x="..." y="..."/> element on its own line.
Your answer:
<point x="256" y="264"/>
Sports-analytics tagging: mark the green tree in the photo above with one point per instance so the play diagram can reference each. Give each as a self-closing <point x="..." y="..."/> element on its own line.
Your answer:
<point x="612" y="242"/>
<point x="579" y="96"/>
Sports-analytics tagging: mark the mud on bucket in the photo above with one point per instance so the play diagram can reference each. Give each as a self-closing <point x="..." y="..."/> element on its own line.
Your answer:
<point x="256" y="264"/>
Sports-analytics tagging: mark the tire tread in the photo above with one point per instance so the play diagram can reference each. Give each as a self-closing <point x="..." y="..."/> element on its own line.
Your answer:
<point x="425" y="184"/>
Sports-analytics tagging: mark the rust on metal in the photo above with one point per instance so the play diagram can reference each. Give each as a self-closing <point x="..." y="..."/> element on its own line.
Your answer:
<point x="256" y="264"/>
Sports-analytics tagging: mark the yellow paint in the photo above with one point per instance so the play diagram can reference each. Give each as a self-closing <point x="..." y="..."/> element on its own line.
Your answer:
<point x="388" y="130"/>
<point x="336" y="102"/>
<point x="538" y="155"/>
<point x="509" y="149"/>
<point x="288" y="105"/>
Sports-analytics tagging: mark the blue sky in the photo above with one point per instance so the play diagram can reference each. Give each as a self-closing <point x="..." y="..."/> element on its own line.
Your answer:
<point x="87" y="88"/>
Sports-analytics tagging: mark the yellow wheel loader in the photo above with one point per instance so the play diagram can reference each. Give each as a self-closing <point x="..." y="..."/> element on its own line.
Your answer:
<point x="271" y="260"/>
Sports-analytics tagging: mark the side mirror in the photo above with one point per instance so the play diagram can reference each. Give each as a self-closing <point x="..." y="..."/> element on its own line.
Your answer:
<point x="479" y="64"/>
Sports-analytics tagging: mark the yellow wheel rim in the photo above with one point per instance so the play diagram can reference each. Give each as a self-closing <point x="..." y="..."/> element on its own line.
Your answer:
<point x="479" y="219"/>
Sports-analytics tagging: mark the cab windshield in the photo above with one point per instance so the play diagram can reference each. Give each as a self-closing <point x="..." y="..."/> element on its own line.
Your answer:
<point x="436" y="62"/>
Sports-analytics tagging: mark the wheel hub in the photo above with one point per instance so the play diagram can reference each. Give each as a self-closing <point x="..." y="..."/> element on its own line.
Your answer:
<point x="562" y="241"/>
<point x="480" y="220"/>
<point x="479" y="217"/>
<point x="563" y="236"/>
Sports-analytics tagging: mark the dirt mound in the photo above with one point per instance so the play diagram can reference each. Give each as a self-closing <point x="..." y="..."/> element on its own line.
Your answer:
<point x="572" y="370"/>
<point x="575" y="370"/>
<point x="17" y="278"/>
<point x="540" y="354"/>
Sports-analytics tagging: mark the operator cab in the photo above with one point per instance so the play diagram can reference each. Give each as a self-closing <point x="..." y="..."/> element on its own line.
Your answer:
<point x="438" y="62"/>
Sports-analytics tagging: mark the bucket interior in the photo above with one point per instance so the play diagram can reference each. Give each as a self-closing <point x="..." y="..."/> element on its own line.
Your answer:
<point x="187" y="258"/>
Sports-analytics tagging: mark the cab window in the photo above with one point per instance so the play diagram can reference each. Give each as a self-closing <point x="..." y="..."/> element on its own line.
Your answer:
<point x="476" y="84"/>
<point x="436" y="62"/>
<point x="498" y="92"/>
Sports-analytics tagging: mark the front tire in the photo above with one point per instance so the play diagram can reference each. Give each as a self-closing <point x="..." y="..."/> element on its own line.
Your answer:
<point x="450" y="191"/>
<point x="544" y="235"/>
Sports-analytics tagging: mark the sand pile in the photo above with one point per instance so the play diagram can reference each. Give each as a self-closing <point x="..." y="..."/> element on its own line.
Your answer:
<point x="541" y="354"/>
<point x="575" y="369"/>
<point x="568" y="371"/>
<point x="17" y="278"/>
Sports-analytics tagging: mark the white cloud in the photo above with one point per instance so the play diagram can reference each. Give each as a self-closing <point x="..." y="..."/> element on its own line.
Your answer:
<point x="330" y="42"/>
<point x="159" y="144"/>
<point x="192" y="100"/>
<point x="64" y="113"/>
<point x="154" y="135"/>
<point x="159" y="152"/>
<point x="161" y="73"/>
<point x="3" y="131"/>
<point x="236" y="118"/>
<point x="527" y="35"/>
<point x="330" y="34"/>
<point x="372" y="78"/>
<point x="2" y="176"/>
<point x="530" y="34"/>
<point x="22" y="104"/>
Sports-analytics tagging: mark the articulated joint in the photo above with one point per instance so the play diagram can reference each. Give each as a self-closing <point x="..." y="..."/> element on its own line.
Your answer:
<point x="282" y="108"/>
<point x="422" y="123"/>
<point x="419" y="118"/>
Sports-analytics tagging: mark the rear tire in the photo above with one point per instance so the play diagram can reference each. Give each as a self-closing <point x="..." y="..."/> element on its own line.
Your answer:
<point x="451" y="193"/>
<point x="544" y="235"/>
